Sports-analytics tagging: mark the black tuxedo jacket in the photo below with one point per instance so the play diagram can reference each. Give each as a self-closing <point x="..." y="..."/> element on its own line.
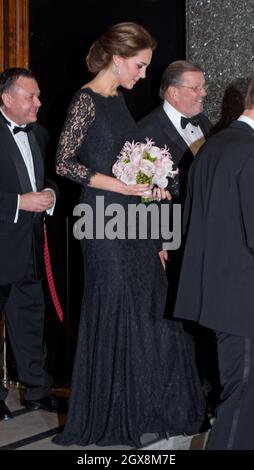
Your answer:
<point x="216" y="285"/>
<point x="159" y="127"/>
<point x="16" y="238"/>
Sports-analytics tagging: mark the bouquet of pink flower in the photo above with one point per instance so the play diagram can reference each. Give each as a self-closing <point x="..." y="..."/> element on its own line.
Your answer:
<point x="144" y="163"/>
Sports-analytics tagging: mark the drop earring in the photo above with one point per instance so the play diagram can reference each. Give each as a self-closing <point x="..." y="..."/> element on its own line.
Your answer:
<point x="116" y="70"/>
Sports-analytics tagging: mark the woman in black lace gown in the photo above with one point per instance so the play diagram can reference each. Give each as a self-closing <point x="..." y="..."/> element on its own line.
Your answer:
<point x="134" y="371"/>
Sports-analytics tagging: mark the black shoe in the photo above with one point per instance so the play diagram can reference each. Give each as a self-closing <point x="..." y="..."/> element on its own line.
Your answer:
<point x="5" y="413"/>
<point x="46" y="403"/>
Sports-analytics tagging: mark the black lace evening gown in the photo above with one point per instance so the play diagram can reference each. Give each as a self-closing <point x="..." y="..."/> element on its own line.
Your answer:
<point x="134" y="371"/>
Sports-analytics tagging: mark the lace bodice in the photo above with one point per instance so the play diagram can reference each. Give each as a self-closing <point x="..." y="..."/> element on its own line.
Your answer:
<point x="94" y="132"/>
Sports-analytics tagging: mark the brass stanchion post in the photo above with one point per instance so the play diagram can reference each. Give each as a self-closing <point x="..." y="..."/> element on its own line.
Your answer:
<point x="3" y="366"/>
<point x="67" y="287"/>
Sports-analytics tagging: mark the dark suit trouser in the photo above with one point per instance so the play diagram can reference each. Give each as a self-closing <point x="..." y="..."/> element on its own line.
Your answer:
<point x="234" y="425"/>
<point x="24" y="316"/>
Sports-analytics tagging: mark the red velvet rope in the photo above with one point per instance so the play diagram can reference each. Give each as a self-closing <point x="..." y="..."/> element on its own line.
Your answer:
<point x="50" y="278"/>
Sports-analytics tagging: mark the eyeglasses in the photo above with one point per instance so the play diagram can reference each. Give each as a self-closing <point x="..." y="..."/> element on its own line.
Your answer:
<point x="196" y="89"/>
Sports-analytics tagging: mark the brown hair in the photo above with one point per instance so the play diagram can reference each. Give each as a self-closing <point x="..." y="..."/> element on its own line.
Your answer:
<point x="173" y="74"/>
<point x="124" y="39"/>
<point x="249" y="98"/>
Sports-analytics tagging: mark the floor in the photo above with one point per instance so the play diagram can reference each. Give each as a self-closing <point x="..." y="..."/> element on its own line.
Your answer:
<point x="34" y="430"/>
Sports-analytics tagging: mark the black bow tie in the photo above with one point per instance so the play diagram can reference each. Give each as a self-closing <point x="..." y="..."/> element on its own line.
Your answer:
<point x="17" y="129"/>
<point x="26" y="128"/>
<point x="193" y="120"/>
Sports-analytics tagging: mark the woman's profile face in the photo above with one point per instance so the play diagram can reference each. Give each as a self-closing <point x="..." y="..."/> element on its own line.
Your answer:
<point x="134" y="68"/>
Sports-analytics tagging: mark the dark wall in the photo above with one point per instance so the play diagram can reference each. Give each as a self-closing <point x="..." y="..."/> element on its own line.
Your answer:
<point x="61" y="33"/>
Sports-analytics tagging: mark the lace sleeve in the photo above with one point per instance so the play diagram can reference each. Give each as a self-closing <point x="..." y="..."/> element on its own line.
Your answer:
<point x="80" y="116"/>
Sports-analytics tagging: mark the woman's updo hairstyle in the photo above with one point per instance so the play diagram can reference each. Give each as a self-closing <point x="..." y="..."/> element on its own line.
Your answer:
<point x="123" y="39"/>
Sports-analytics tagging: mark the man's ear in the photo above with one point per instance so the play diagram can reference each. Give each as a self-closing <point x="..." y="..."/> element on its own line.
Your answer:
<point x="7" y="99"/>
<point x="171" y="93"/>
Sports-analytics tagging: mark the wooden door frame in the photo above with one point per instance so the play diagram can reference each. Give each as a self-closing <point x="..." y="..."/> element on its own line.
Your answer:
<point x="14" y="33"/>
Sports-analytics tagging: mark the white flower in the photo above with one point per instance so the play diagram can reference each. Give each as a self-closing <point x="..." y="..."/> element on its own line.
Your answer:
<point x="155" y="152"/>
<point x="129" y="174"/>
<point x="161" y="182"/>
<point x="147" y="167"/>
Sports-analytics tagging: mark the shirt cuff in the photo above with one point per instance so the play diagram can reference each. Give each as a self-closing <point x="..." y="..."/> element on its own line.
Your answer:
<point x="17" y="210"/>
<point x="51" y="210"/>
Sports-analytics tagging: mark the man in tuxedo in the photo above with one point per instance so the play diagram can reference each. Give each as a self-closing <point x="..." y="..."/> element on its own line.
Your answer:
<point x="24" y="198"/>
<point x="179" y="123"/>
<point x="217" y="276"/>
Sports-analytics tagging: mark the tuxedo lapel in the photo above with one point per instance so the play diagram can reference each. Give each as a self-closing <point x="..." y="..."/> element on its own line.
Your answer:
<point x="37" y="160"/>
<point x="12" y="150"/>
<point x="171" y="132"/>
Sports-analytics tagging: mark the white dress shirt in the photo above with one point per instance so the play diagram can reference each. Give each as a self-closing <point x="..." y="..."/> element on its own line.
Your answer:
<point x="192" y="135"/>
